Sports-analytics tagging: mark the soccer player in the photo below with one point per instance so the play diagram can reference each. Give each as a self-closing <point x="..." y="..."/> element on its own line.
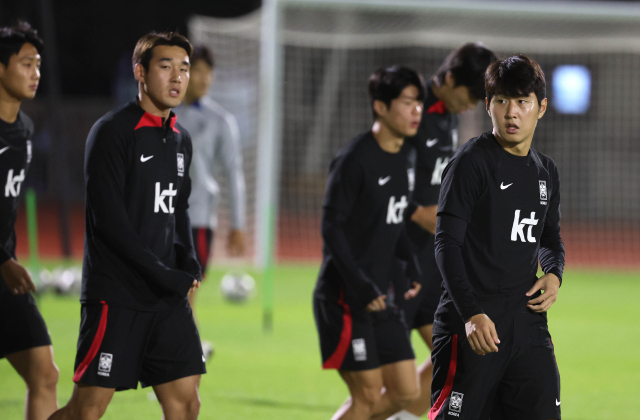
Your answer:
<point x="498" y="216"/>
<point x="139" y="260"/>
<point x="24" y="338"/>
<point x="457" y="86"/>
<point x="216" y="139"/>
<point x="361" y="330"/>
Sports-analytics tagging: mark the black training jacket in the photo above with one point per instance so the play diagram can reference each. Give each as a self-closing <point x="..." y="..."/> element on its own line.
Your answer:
<point x="138" y="250"/>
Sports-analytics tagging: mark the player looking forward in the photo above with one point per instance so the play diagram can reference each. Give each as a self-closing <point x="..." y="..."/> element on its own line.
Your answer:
<point x="24" y="338"/>
<point x="498" y="216"/>
<point x="216" y="140"/>
<point x="361" y="330"/>
<point x="457" y="86"/>
<point x="139" y="261"/>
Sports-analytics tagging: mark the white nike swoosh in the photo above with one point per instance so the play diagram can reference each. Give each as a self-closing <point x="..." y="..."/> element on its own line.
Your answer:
<point x="144" y="159"/>
<point x="431" y="142"/>
<point x="557" y="403"/>
<point x="382" y="181"/>
<point x="504" y="187"/>
<point x="4" y="150"/>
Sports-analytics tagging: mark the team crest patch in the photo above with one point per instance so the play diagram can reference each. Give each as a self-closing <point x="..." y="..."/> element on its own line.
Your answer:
<point x="104" y="366"/>
<point x="359" y="349"/>
<point x="28" y="151"/>
<point x="455" y="403"/>
<point x="180" y="164"/>
<point x="543" y="190"/>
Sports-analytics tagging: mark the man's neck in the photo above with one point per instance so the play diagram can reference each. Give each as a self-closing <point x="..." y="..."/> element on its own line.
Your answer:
<point x="9" y="107"/>
<point x="149" y="106"/>
<point x="188" y="100"/>
<point x="517" y="149"/>
<point x="387" y="140"/>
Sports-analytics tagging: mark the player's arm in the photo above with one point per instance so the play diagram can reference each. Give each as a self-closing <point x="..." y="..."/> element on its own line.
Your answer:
<point x="105" y="174"/>
<point x="410" y="285"/>
<point x="480" y="330"/>
<point x="343" y="188"/>
<point x="231" y="154"/>
<point x="551" y="254"/>
<point x="185" y="251"/>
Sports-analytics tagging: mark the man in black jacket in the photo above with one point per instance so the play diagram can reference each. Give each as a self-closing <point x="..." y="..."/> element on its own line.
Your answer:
<point x="139" y="261"/>
<point x="24" y="338"/>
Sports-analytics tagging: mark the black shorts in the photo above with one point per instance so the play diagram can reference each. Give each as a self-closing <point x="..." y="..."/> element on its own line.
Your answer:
<point x="521" y="381"/>
<point x="202" y="240"/>
<point x="120" y="347"/>
<point x="419" y="311"/>
<point x="359" y="340"/>
<point x="21" y="325"/>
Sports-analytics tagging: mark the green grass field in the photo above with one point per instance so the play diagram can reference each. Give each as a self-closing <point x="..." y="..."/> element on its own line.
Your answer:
<point x="595" y="327"/>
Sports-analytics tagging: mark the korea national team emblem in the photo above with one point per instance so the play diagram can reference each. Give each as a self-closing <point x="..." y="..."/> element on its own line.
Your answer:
<point x="359" y="349"/>
<point x="543" y="190"/>
<point x="104" y="366"/>
<point x="396" y="210"/>
<point x="455" y="403"/>
<point x="180" y="164"/>
<point x="28" y="151"/>
<point x="517" y="231"/>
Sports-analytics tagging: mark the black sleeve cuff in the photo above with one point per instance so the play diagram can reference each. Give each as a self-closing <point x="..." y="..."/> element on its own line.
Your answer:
<point x="409" y="210"/>
<point x="557" y="272"/>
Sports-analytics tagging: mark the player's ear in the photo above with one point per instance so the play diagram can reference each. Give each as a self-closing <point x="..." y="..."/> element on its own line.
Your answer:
<point x="139" y="72"/>
<point x="380" y="107"/>
<point x="543" y="108"/>
<point x="486" y="105"/>
<point x="450" y="80"/>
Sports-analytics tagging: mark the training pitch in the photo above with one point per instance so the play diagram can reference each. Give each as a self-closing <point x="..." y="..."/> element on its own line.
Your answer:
<point x="273" y="376"/>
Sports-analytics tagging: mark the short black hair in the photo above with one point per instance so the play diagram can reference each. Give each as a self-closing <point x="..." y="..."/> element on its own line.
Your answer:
<point x="12" y="38"/>
<point x="515" y="76"/>
<point x="204" y="53"/>
<point x="387" y="84"/>
<point x="143" y="52"/>
<point x="467" y="64"/>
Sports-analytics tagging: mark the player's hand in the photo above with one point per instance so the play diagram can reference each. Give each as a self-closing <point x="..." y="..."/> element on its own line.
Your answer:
<point x="377" y="304"/>
<point x="17" y="278"/>
<point x="482" y="335"/>
<point x="236" y="243"/>
<point x="195" y="285"/>
<point x="426" y="217"/>
<point x="550" y="284"/>
<point x="413" y="292"/>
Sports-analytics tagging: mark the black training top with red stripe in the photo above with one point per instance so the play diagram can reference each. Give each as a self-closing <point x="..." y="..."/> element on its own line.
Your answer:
<point x="435" y="142"/>
<point x="498" y="215"/>
<point x="15" y="155"/>
<point x="138" y="248"/>
<point x="367" y="192"/>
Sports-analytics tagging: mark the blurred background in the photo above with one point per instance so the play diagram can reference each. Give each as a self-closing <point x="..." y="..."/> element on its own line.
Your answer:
<point x="293" y="73"/>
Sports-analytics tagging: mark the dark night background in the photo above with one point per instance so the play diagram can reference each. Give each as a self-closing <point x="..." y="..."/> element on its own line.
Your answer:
<point x="93" y="35"/>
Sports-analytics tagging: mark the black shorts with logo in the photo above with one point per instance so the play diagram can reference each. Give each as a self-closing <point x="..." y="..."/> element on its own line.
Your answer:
<point x="521" y="381"/>
<point x="202" y="240"/>
<point x="119" y="347"/>
<point x="359" y="340"/>
<point x="21" y="324"/>
<point x="420" y="310"/>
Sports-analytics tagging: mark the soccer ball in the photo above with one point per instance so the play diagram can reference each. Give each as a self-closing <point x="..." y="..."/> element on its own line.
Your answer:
<point x="237" y="287"/>
<point x="66" y="281"/>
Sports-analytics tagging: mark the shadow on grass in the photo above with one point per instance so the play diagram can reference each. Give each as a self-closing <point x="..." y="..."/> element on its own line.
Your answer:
<point x="262" y="402"/>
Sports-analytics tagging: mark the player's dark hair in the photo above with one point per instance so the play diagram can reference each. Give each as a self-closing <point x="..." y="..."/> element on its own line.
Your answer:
<point x="12" y="39"/>
<point x="143" y="52"/>
<point x="204" y="53"/>
<point x="515" y="76"/>
<point x="467" y="65"/>
<point x="387" y="84"/>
